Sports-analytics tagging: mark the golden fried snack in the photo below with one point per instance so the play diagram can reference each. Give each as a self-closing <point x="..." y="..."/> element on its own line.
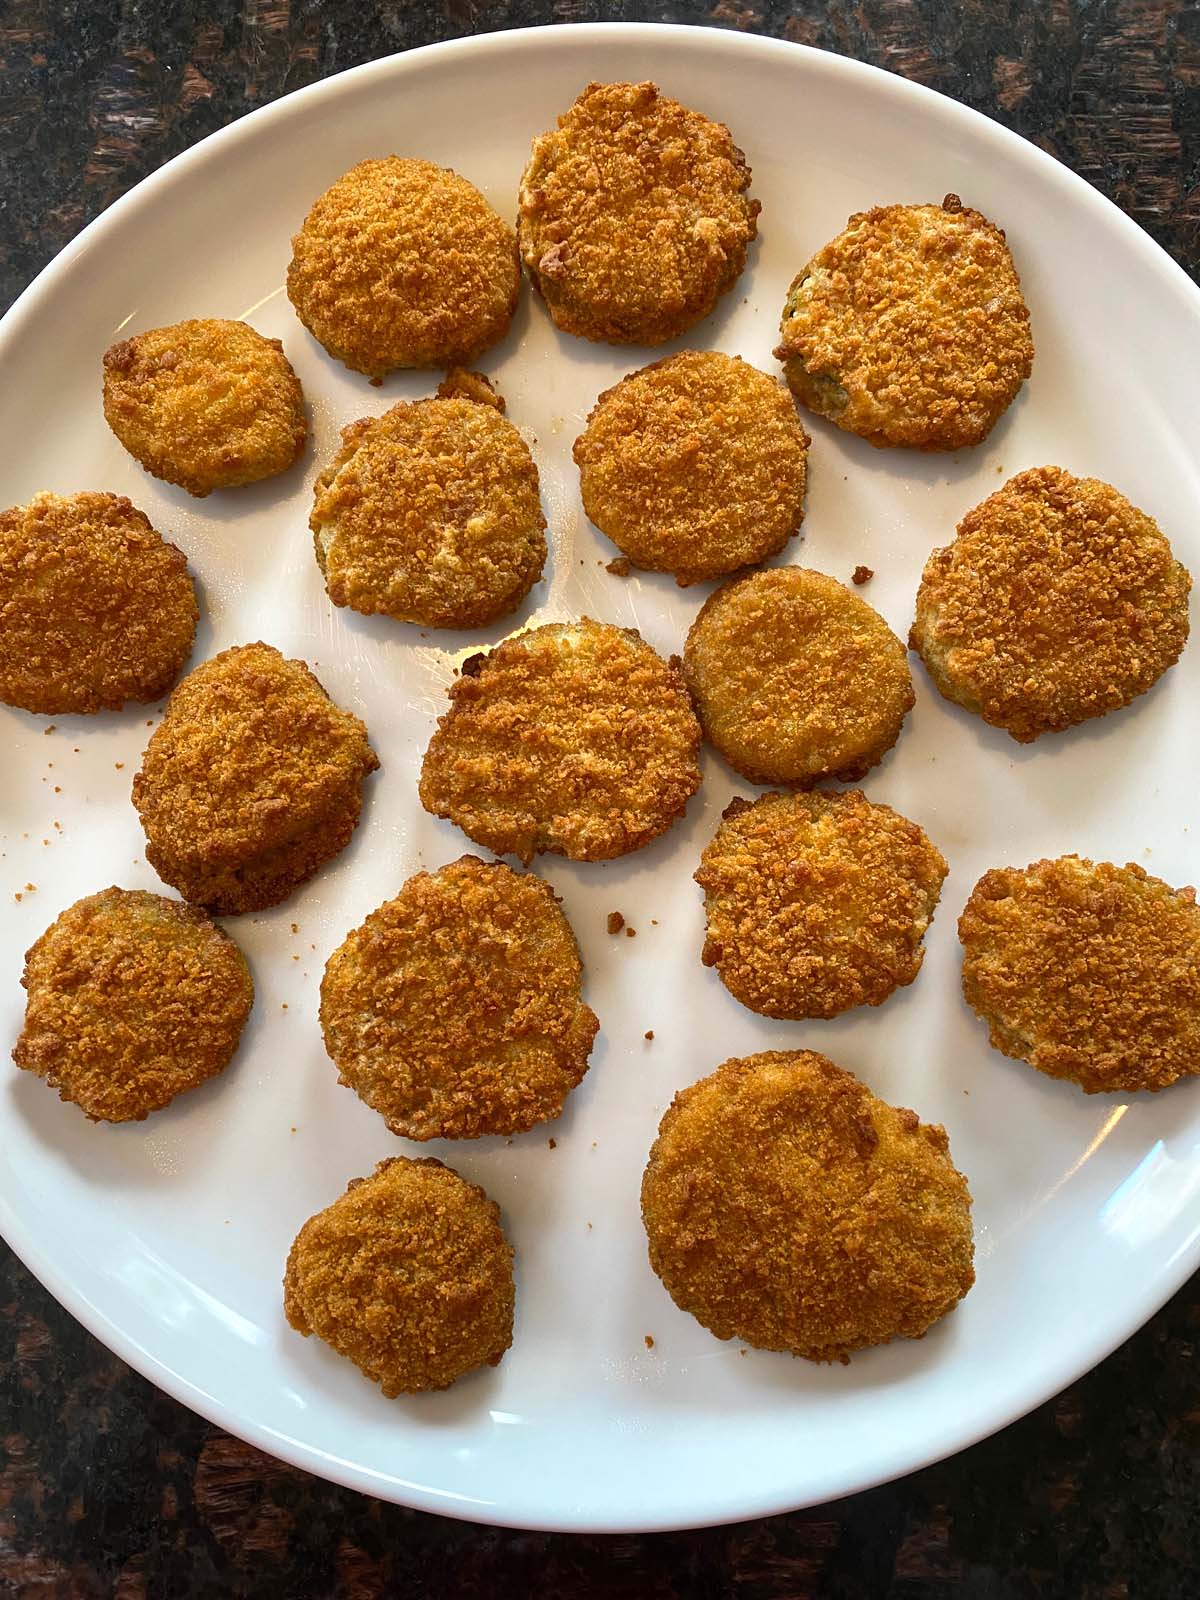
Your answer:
<point x="909" y="328"/>
<point x="132" y="998"/>
<point x="695" y="465"/>
<point x="430" y="514"/>
<point x="96" y="608"/>
<point x="575" y="737"/>
<point x="816" y="902"/>
<point x="1058" y="601"/>
<point x="404" y="264"/>
<point x="252" y="781"/>
<point x="1087" y="971"/>
<point x="455" y="1010"/>
<point x="787" y="1207"/>
<point x="796" y="677"/>
<point x="408" y="1274"/>
<point x="207" y="404"/>
<point x="633" y="215"/>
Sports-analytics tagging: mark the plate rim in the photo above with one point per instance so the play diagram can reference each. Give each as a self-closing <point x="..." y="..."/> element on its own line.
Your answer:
<point x="949" y="1441"/>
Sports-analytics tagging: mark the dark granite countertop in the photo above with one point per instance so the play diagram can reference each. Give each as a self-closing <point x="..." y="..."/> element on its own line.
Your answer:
<point x="108" y="1488"/>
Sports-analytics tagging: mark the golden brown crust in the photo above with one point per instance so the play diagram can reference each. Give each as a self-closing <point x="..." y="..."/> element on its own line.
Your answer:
<point x="796" y="678"/>
<point x="1057" y="602"/>
<point x="404" y="264"/>
<point x="251" y="781"/>
<point x="695" y="465"/>
<point x="1087" y="971"/>
<point x="634" y="218"/>
<point x="408" y="1274"/>
<point x="817" y="902"/>
<point x="909" y="328"/>
<point x="207" y="404"/>
<point x="96" y="608"/>
<point x="132" y="999"/>
<point x="575" y="738"/>
<point x="455" y="1010"/>
<point x="788" y="1207"/>
<point x="430" y="514"/>
<point x="461" y="384"/>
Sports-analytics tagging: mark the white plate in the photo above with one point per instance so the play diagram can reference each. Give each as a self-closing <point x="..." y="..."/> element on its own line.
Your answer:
<point x="167" y="1239"/>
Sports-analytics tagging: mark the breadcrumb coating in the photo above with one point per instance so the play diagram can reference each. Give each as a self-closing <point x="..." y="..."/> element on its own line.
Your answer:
<point x="817" y="902"/>
<point x="575" y="738"/>
<point x="695" y="465"/>
<point x="402" y="263"/>
<point x="252" y="780"/>
<point x="909" y="328"/>
<point x="634" y="218"/>
<point x="96" y="608"/>
<point x="460" y="384"/>
<point x="1057" y="602"/>
<point x="796" y="678"/>
<point x="206" y="404"/>
<point x="132" y="999"/>
<point x="454" y="1010"/>
<point x="408" y="1274"/>
<point x="788" y="1207"/>
<point x="430" y="514"/>
<point x="1087" y="971"/>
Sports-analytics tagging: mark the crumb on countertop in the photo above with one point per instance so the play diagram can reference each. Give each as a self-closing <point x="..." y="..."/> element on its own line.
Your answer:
<point x="295" y="927"/>
<point x="461" y="383"/>
<point x="615" y="922"/>
<point x="649" y="1338"/>
<point x="649" y="1033"/>
<point x="862" y="574"/>
<point x="619" y="566"/>
<point x="553" y="1143"/>
<point x="631" y="933"/>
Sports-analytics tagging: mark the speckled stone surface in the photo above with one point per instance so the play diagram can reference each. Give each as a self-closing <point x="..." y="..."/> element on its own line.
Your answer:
<point x="107" y="1488"/>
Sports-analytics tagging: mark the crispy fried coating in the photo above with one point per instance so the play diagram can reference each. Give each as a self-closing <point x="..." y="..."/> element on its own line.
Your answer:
<point x="796" y="678"/>
<point x="404" y="264"/>
<point x="695" y="465"/>
<point x="408" y="1274"/>
<point x="575" y="737"/>
<point x="252" y="780"/>
<point x="1087" y="971"/>
<point x="1057" y="602"/>
<point x="461" y="384"/>
<point x="206" y="404"/>
<point x="132" y="998"/>
<point x="634" y="218"/>
<point x="455" y="1010"/>
<point x="96" y="608"/>
<point x="431" y="514"/>
<point x="788" y="1207"/>
<point x="909" y="328"/>
<point x="817" y="902"/>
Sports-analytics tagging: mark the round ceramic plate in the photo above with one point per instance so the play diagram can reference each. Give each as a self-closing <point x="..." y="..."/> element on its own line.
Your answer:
<point x="167" y="1239"/>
